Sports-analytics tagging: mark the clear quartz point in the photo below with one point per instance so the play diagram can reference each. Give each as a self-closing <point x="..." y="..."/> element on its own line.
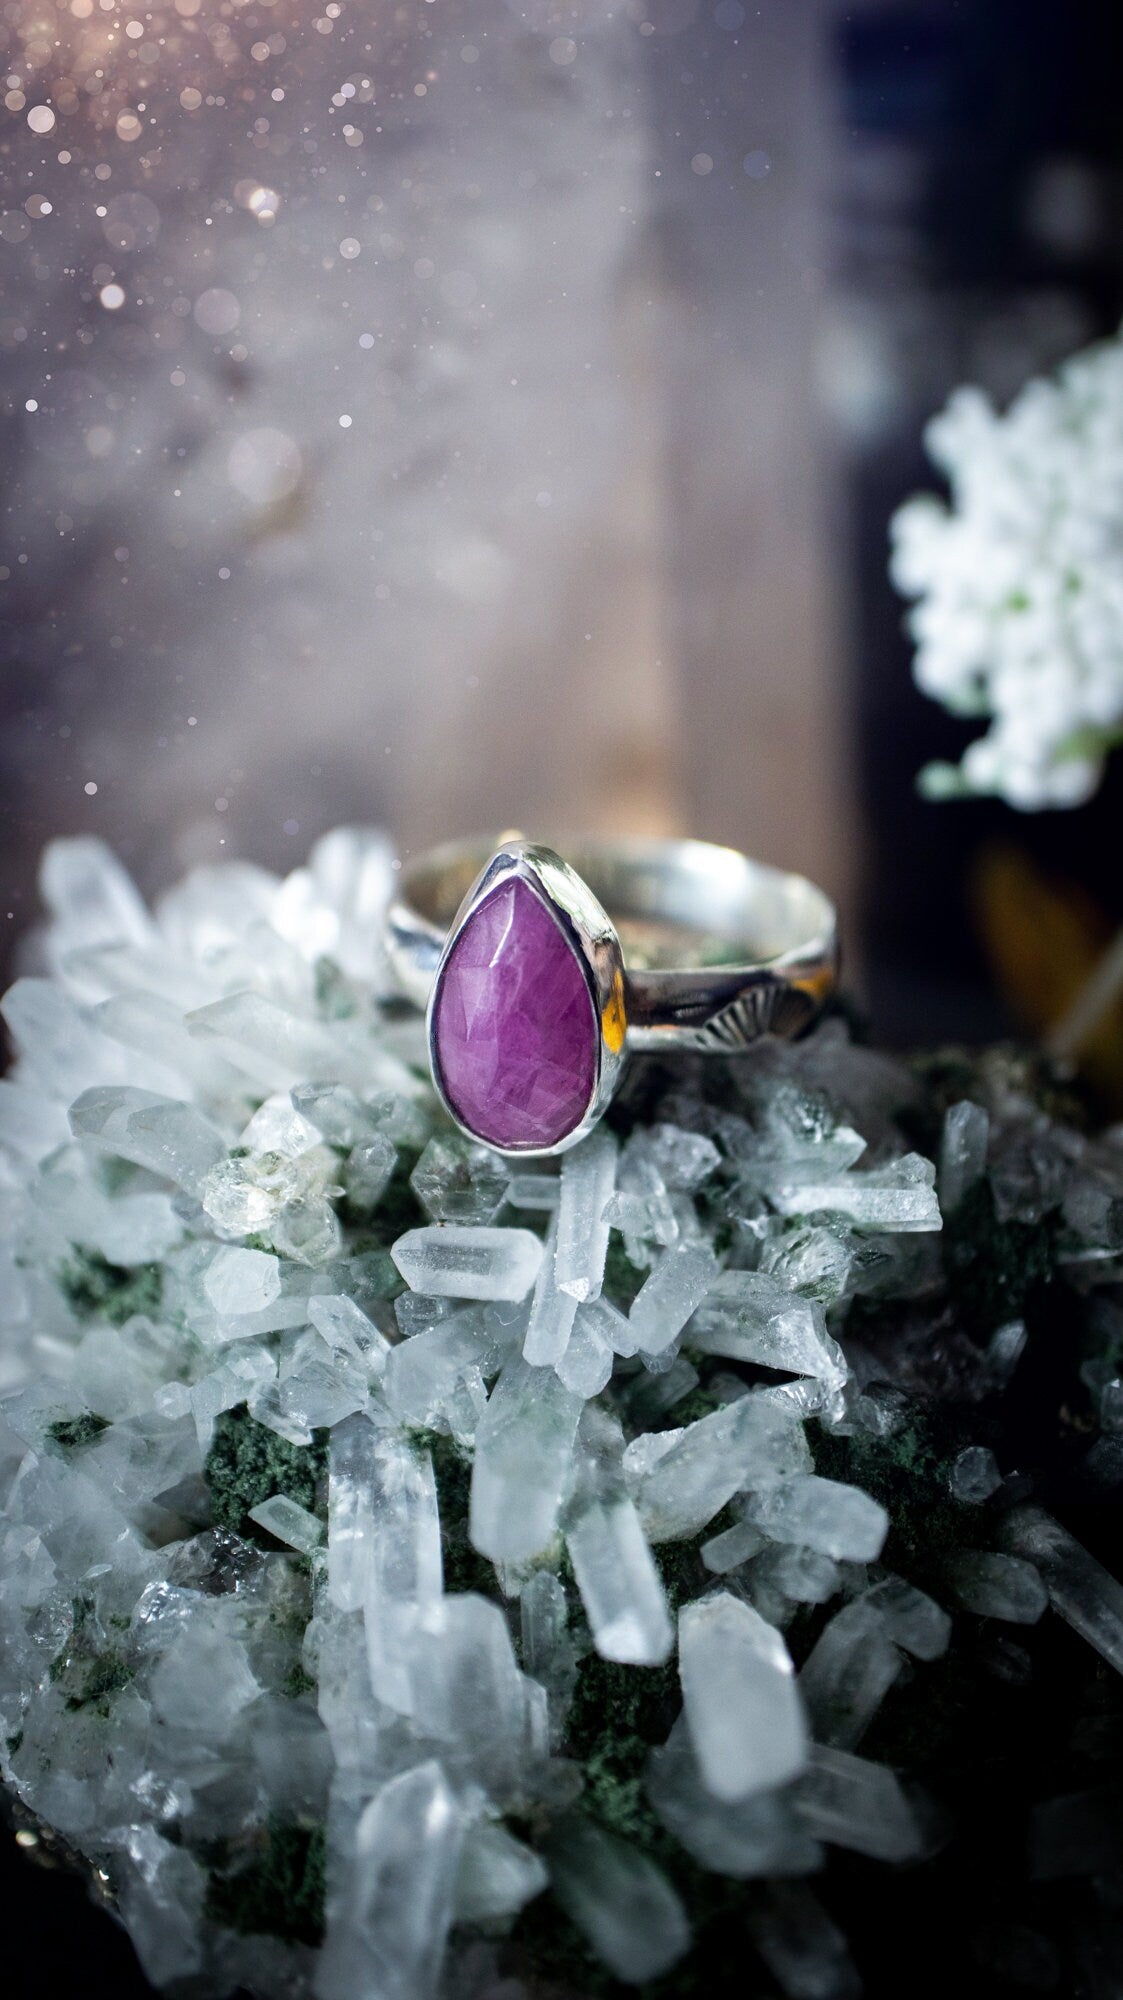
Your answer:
<point x="851" y="1802"/>
<point x="587" y="1175"/>
<point x="665" y="1301"/>
<point x="393" y="1876"/>
<point x="170" y="1138"/>
<point x="993" y="1585"/>
<point x="523" y="1462"/>
<point x="742" y="1705"/>
<point x="1080" y="1589"/>
<point x="622" y="1902"/>
<point x="468" y="1261"/>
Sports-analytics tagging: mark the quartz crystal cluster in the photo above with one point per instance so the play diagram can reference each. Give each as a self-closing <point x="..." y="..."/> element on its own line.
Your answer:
<point x="423" y="1572"/>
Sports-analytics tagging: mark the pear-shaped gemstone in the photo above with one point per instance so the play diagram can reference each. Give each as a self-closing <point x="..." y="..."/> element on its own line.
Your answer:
<point x="514" y="1027"/>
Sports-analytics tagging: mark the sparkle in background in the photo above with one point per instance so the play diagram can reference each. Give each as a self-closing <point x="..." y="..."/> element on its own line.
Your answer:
<point x="360" y="366"/>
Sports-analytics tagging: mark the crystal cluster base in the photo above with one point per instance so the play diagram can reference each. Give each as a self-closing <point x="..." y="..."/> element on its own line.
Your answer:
<point x="421" y="1577"/>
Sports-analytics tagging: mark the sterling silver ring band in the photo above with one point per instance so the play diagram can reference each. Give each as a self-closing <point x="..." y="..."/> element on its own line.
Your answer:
<point x="540" y="974"/>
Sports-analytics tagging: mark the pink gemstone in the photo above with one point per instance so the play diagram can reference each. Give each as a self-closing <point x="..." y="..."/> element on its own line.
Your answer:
<point x="515" y="1032"/>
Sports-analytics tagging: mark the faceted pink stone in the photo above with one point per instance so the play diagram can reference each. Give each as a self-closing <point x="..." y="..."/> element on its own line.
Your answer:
<point x="515" y="1032"/>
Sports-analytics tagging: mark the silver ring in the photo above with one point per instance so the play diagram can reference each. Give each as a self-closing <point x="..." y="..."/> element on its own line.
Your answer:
<point x="540" y="975"/>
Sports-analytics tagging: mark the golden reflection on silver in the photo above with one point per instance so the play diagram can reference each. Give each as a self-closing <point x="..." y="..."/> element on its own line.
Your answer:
<point x="687" y="946"/>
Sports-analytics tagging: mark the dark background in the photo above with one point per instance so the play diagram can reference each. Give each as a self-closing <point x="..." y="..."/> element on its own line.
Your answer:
<point x="1014" y="241"/>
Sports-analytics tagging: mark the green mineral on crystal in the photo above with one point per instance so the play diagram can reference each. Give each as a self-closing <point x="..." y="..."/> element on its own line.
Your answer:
<point x="276" y="1890"/>
<point x="74" y="1431"/>
<point x="248" y="1463"/>
<point x="95" y="1288"/>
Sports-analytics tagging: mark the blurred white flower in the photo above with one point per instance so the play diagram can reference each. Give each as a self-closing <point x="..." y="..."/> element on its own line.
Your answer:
<point x="1019" y="582"/>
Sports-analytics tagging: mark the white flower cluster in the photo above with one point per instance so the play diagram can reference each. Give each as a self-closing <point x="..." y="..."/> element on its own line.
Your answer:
<point x="1019" y="582"/>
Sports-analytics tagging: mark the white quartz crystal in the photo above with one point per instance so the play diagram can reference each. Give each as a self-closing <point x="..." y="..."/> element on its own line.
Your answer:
<point x="61" y="1051"/>
<point x="758" y="1835"/>
<point x="307" y="1230"/>
<point x="467" y="1261"/>
<point x="90" y="896"/>
<point x="901" y="1196"/>
<point x="742" y="1706"/>
<point x="682" y="1159"/>
<point x="457" y="1181"/>
<point x="1080" y="1589"/>
<point x="619" y="1583"/>
<point x="351" y="1501"/>
<point x="620" y="1900"/>
<point x="242" y="1281"/>
<point x="468" y="1694"/>
<point x="912" y="1619"/>
<point x="795" y="1141"/>
<point x="666" y="1299"/>
<point x="1004" y="1351"/>
<point x="552" y="1312"/>
<point x="536" y="1191"/>
<point x="368" y="1170"/>
<point x="335" y="1112"/>
<point x="732" y="1547"/>
<point x="337" y="904"/>
<point x="963" y="1153"/>
<point x="393" y="1889"/>
<point x="823" y="1514"/>
<point x="642" y="1207"/>
<point x="751" y="1316"/>
<point x="549" y="1652"/>
<point x="601" y="1317"/>
<point x="523" y="1462"/>
<point x="802" y="1946"/>
<point x="803" y="1575"/>
<point x="816" y="1259"/>
<point x="236" y="1201"/>
<point x="587" y="1175"/>
<point x="169" y="1138"/>
<point x="347" y="1330"/>
<point x="974" y="1475"/>
<point x="586" y="1365"/>
<point x="289" y="1522"/>
<point x="154" y="1027"/>
<point x="435" y="1379"/>
<point x="203" y="1681"/>
<point x="31" y="1123"/>
<point x="497" y="1874"/>
<point x="403" y="1569"/>
<point x="312" y="1392"/>
<point x="161" y="1891"/>
<point x="848" y="1672"/>
<point x="277" y="1048"/>
<point x="278" y="1127"/>
<point x="681" y="1478"/>
<point x="994" y="1585"/>
<point x="854" y="1803"/>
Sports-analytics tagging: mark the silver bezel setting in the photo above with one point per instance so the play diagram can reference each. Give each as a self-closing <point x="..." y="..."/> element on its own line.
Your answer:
<point x="591" y="936"/>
